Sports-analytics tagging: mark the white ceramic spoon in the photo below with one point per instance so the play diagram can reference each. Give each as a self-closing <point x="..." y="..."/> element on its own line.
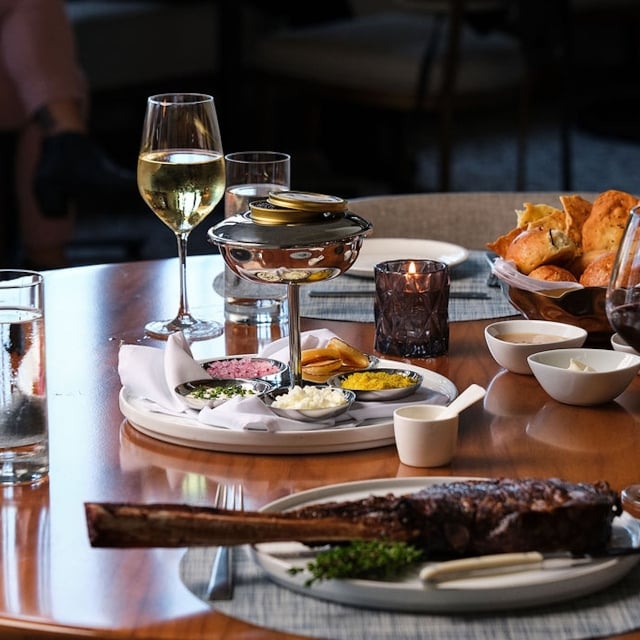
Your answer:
<point x="471" y="394"/>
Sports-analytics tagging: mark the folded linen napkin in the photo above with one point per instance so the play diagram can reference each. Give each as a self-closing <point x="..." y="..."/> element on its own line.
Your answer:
<point x="152" y="373"/>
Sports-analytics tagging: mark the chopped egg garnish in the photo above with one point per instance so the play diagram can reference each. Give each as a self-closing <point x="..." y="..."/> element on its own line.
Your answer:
<point x="310" y="398"/>
<point x="577" y="365"/>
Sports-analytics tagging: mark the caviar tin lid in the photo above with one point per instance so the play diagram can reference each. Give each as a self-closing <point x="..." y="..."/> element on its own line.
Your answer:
<point x="317" y="219"/>
<point x="297" y="207"/>
<point x="307" y="201"/>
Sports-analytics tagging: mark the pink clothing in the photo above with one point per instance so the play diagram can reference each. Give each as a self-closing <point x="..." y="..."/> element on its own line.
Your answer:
<point x="37" y="59"/>
<point x="37" y="66"/>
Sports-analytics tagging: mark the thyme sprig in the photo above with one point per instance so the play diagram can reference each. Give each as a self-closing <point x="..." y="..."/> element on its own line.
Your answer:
<point x="371" y="559"/>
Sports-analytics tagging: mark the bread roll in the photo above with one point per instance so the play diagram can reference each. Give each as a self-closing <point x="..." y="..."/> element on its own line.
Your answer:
<point x="598" y="273"/>
<point x="533" y="248"/>
<point x="552" y="273"/>
<point x="582" y="261"/>
<point x="604" y="227"/>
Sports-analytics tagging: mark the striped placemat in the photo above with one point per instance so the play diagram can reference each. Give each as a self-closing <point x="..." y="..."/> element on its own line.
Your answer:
<point x="260" y="601"/>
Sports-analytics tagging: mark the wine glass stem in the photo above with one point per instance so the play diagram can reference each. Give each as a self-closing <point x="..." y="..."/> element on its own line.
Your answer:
<point x="184" y="315"/>
<point x="293" y="300"/>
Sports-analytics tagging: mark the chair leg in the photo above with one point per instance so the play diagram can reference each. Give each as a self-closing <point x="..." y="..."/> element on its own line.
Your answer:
<point x="444" y="170"/>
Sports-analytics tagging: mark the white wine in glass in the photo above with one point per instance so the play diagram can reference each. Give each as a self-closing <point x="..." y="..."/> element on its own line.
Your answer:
<point x="181" y="177"/>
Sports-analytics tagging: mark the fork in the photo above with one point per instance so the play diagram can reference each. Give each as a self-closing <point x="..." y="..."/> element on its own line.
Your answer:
<point x="221" y="581"/>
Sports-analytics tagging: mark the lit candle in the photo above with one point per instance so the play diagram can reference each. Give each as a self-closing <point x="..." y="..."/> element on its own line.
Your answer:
<point x="411" y="279"/>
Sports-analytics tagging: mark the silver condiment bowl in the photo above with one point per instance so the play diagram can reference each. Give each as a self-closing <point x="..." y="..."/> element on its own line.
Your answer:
<point x="394" y="393"/>
<point x="310" y="415"/>
<point x="225" y="387"/>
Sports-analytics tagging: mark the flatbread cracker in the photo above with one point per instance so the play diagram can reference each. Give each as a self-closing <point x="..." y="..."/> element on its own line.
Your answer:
<point x="501" y="244"/>
<point x="541" y="216"/>
<point x="604" y="227"/>
<point x="578" y="210"/>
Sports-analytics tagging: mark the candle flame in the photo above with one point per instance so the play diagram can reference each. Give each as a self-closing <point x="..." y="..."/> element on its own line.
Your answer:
<point x="412" y="267"/>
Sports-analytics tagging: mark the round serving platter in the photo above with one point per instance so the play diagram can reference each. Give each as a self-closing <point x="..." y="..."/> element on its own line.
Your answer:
<point x="189" y="432"/>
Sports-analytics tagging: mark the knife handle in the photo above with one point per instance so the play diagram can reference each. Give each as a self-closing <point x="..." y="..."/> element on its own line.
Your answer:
<point x="479" y="565"/>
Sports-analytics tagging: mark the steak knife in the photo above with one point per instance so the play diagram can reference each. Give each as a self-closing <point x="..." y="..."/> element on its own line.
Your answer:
<point x="366" y="293"/>
<point x="502" y="563"/>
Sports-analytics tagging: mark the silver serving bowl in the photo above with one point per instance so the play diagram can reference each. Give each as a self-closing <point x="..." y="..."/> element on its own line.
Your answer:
<point x="394" y="393"/>
<point x="241" y="367"/>
<point x="290" y="253"/>
<point x="309" y="415"/>
<point x="291" y="238"/>
<point x="212" y="393"/>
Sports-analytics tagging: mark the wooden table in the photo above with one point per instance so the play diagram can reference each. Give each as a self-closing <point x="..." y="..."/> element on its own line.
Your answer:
<point x="53" y="584"/>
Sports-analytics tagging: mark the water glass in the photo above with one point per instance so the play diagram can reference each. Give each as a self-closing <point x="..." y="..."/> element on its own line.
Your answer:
<point x="24" y="438"/>
<point x="251" y="175"/>
<point x="411" y="308"/>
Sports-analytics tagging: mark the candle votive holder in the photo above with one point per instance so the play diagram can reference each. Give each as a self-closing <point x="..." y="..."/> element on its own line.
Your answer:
<point x="411" y="308"/>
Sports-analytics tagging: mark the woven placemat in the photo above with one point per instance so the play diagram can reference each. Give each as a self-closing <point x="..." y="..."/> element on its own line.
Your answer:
<point x="260" y="601"/>
<point x="471" y="276"/>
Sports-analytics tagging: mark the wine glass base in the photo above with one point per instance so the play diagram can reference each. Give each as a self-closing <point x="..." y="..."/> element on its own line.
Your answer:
<point x="194" y="331"/>
<point x="631" y="499"/>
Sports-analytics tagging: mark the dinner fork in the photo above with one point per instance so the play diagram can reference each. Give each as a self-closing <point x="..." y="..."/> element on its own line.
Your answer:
<point x="221" y="581"/>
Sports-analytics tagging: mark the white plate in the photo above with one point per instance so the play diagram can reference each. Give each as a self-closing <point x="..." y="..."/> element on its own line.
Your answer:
<point x="515" y="590"/>
<point x="189" y="432"/>
<point x="376" y="250"/>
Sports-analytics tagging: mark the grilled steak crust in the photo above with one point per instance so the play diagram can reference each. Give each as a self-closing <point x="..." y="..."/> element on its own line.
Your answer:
<point x="475" y="517"/>
<point x="498" y="516"/>
<point x="450" y="519"/>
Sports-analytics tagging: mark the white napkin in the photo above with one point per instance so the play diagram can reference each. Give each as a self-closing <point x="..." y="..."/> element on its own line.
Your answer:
<point x="153" y="374"/>
<point x="507" y="271"/>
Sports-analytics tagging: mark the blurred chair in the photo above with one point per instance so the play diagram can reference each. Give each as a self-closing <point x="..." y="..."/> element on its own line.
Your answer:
<point x="468" y="219"/>
<point x="423" y="58"/>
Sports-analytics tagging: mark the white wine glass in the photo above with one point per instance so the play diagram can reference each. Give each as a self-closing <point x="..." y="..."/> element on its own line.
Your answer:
<point x="181" y="177"/>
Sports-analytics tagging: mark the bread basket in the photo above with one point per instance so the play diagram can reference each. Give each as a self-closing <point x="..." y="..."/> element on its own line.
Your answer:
<point x="573" y="304"/>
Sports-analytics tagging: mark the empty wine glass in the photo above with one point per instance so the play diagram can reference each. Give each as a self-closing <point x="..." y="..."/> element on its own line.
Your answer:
<point x="623" y="292"/>
<point x="181" y="177"/>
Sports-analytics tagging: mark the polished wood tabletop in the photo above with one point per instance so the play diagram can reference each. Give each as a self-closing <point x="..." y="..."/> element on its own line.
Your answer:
<point x="53" y="584"/>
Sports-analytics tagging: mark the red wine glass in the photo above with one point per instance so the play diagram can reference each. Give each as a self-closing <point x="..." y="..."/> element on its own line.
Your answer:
<point x="623" y="292"/>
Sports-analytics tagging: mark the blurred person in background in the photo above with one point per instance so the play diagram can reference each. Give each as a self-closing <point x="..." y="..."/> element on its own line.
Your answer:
<point x="49" y="158"/>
